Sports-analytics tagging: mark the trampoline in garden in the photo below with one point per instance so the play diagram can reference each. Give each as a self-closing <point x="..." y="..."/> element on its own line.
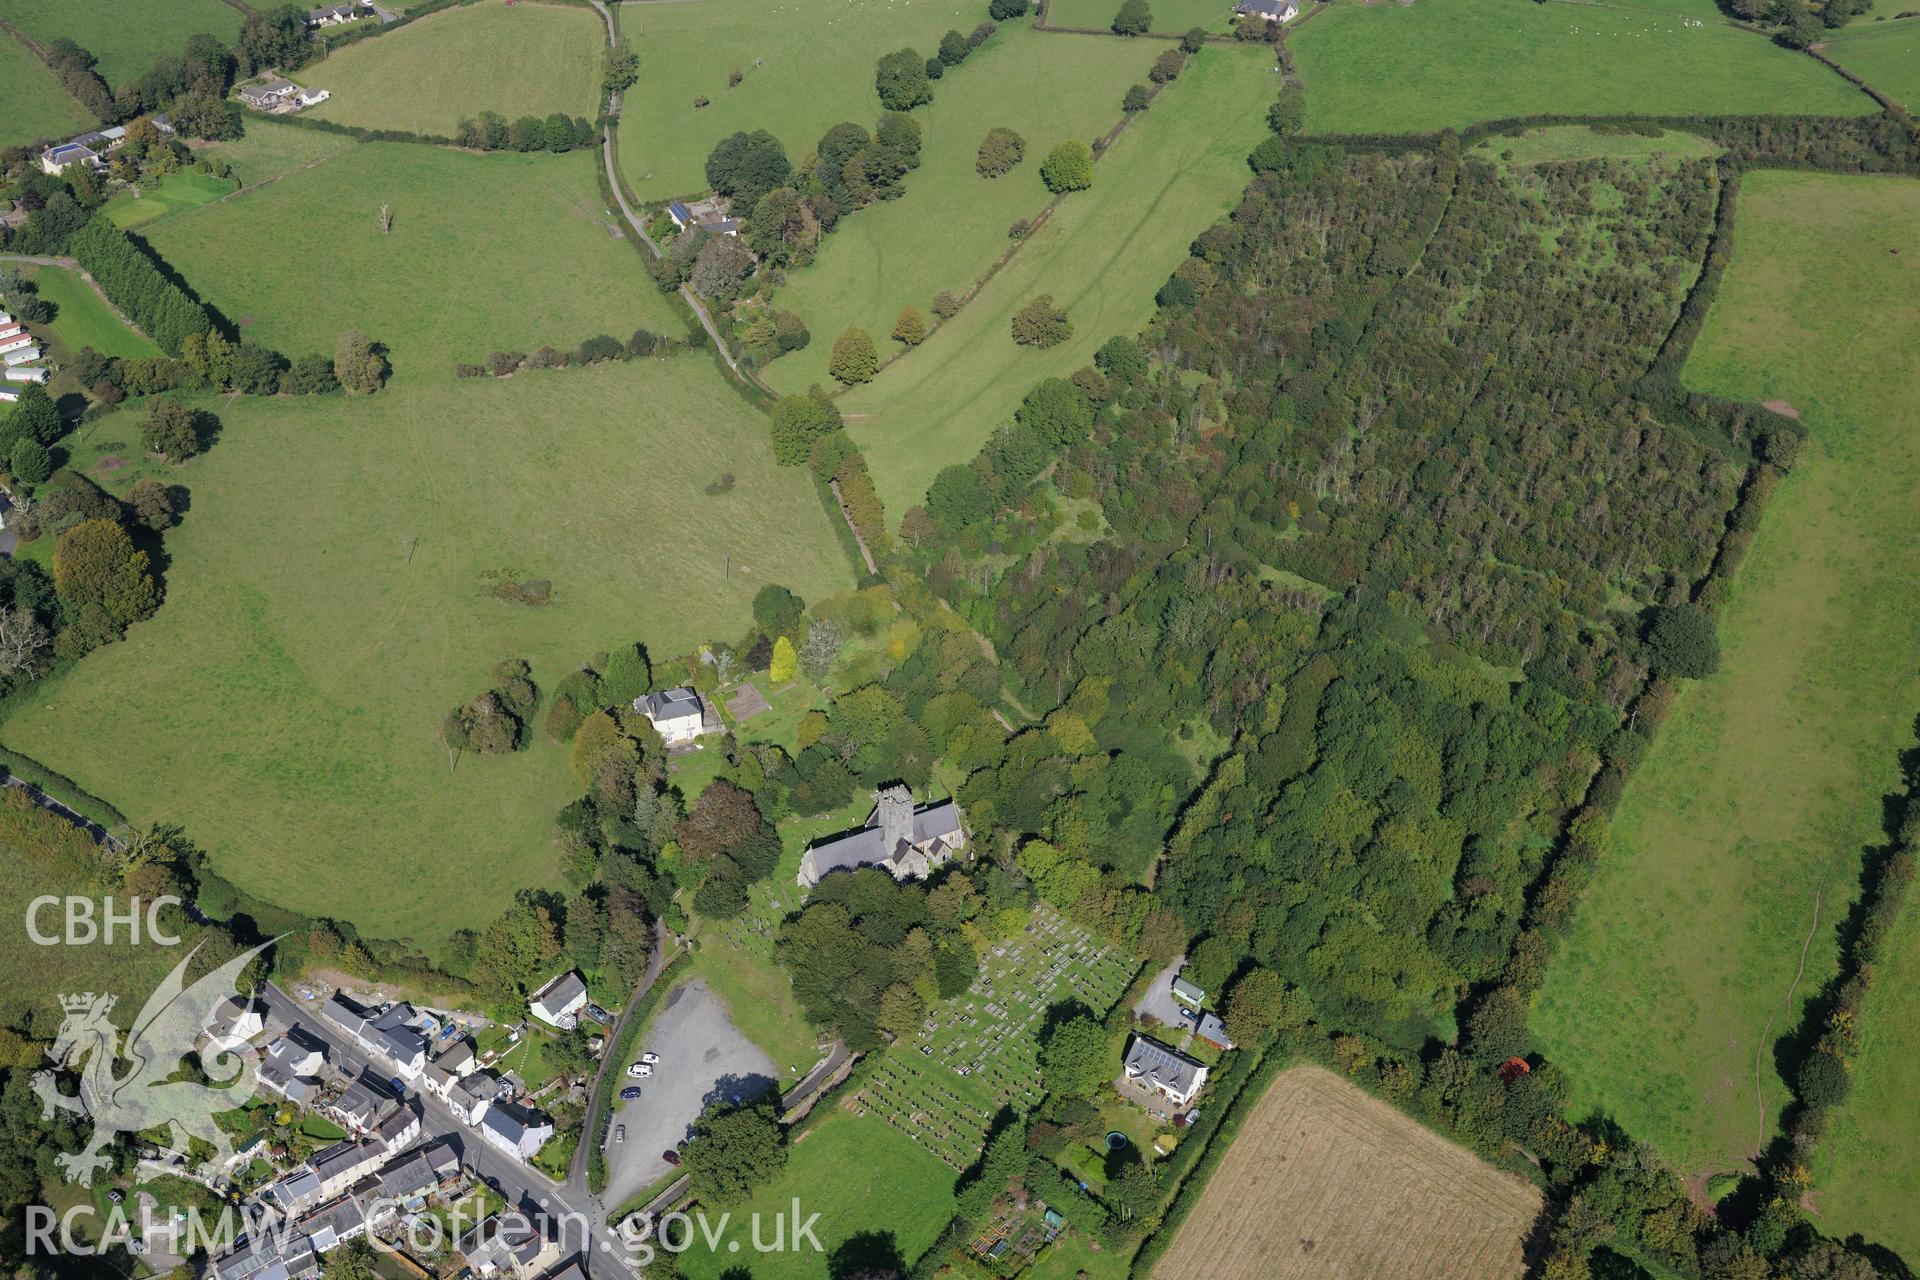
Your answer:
<point x="1116" y="1140"/>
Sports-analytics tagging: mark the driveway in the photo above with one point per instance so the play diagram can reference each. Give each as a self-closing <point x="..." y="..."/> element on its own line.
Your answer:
<point x="1159" y="1003"/>
<point x="702" y="1060"/>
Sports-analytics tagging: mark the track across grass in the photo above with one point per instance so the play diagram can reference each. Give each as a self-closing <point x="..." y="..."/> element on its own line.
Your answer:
<point x="806" y="65"/>
<point x="127" y="36"/>
<point x="486" y="251"/>
<point x="82" y="319"/>
<point x="1325" y="1180"/>
<point x="33" y="106"/>
<point x="529" y="59"/>
<point x="1103" y="253"/>
<point x="328" y="600"/>
<point x="1884" y="54"/>
<point x="1442" y="64"/>
<point x="1758" y="798"/>
<point x="270" y="150"/>
<point x="952" y="223"/>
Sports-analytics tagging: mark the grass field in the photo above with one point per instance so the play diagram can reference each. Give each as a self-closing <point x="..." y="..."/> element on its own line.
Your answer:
<point x="269" y="151"/>
<point x="1168" y="15"/>
<point x="1560" y="143"/>
<point x="1047" y="89"/>
<point x="327" y="602"/>
<point x="82" y="319"/>
<point x="32" y="103"/>
<point x="42" y="854"/>
<point x="486" y="251"/>
<point x="177" y="191"/>
<point x="1102" y="255"/>
<point x="1324" y="1180"/>
<point x="530" y="59"/>
<point x="1452" y="62"/>
<point x="1739" y="841"/>
<point x="861" y="1177"/>
<point x="127" y="36"/>
<point x="1864" y="1177"/>
<point x="806" y="66"/>
<point x="1884" y="54"/>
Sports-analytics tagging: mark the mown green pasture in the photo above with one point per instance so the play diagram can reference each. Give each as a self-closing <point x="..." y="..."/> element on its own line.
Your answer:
<point x="805" y="66"/>
<point x="486" y="251"/>
<point x="329" y="599"/>
<point x="527" y="59"/>
<point x="33" y="106"/>
<point x="1443" y="64"/>
<point x="1738" y="846"/>
<point x="951" y="224"/>
<point x="1168" y="15"/>
<point x="176" y="191"/>
<point x="862" y="1176"/>
<point x="1884" y="54"/>
<point x="82" y="319"/>
<point x="126" y="36"/>
<point x="1102" y="255"/>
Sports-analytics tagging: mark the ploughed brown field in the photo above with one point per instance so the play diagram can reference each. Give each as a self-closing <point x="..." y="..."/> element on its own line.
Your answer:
<point x="1325" y="1181"/>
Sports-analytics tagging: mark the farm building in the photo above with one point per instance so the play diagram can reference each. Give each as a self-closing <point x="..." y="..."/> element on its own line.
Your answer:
<point x="1160" y="1070"/>
<point x="1274" y="11"/>
<point x="280" y="96"/>
<point x="906" y="840"/>
<point x="709" y="214"/>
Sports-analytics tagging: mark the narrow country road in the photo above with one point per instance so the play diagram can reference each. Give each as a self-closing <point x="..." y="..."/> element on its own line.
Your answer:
<point x="639" y="229"/>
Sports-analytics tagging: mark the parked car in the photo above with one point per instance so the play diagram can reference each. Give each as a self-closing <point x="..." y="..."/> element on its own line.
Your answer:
<point x="650" y="1058"/>
<point x="640" y="1071"/>
<point x="619" y="1133"/>
<point x="631" y="1092"/>
<point x="671" y="1157"/>
<point x="598" y="1014"/>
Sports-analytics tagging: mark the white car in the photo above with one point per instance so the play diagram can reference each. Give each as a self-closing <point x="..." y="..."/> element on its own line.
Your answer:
<point x="639" y="1069"/>
<point x="650" y="1058"/>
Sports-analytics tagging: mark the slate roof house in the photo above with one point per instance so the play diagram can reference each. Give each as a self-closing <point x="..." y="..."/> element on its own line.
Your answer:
<point x="514" y="1130"/>
<point x="357" y="1108"/>
<point x="1159" y="1069"/>
<point x="558" y="1004"/>
<point x="280" y="95"/>
<point x="507" y="1246"/>
<point x="472" y="1095"/>
<point x="677" y="715"/>
<point x="389" y="1033"/>
<point x="906" y="840"/>
<point x="235" y="1020"/>
<point x="55" y="159"/>
<point x="1214" y="1032"/>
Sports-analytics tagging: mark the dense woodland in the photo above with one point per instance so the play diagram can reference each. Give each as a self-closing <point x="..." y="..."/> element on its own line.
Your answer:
<point x="1325" y="619"/>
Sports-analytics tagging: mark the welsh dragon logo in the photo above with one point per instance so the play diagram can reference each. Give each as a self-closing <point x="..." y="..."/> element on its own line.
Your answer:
<point x="152" y="1097"/>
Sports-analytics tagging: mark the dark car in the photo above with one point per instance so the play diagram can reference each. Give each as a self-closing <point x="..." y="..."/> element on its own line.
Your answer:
<point x="671" y="1157"/>
<point x="631" y="1092"/>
